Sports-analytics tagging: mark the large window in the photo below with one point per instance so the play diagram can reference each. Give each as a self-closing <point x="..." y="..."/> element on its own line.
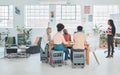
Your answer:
<point x="70" y="15"/>
<point x="102" y="13"/>
<point x="68" y="12"/>
<point x="36" y="16"/>
<point x="6" y="16"/>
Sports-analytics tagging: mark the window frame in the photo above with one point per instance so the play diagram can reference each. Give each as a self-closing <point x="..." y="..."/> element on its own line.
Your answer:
<point x="69" y="23"/>
<point x="103" y="15"/>
<point x="34" y="17"/>
<point x="67" y="12"/>
<point x="9" y="17"/>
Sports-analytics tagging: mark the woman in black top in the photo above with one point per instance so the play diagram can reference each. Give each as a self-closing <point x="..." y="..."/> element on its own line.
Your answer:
<point x="110" y="37"/>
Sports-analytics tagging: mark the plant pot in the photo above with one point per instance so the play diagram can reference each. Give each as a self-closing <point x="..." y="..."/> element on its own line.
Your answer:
<point x="28" y="42"/>
<point x="103" y="43"/>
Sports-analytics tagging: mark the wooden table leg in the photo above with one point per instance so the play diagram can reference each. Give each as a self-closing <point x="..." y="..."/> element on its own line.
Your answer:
<point x="95" y="57"/>
<point x="87" y="54"/>
<point x="51" y="45"/>
<point x="87" y="57"/>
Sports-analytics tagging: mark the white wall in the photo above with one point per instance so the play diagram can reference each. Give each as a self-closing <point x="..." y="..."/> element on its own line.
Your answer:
<point x="19" y="19"/>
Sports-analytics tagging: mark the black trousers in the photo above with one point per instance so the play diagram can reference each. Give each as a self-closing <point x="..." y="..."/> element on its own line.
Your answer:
<point x="110" y="44"/>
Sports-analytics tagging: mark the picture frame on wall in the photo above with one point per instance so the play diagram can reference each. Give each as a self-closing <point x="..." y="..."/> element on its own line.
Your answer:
<point x="86" y="9"/>
<point x="52" y="14"/>
<point x="17" y="11"/>
<point x="90" y="18"/>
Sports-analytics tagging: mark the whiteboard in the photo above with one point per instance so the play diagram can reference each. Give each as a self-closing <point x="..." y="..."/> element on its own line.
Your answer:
<point x="93" y="41"/>
<point x="116" y="19"/>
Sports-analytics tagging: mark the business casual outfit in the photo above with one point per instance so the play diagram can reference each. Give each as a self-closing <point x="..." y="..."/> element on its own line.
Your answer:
<point x="59" y="40"/>
<point x="79" y="39"/>
<point x="110" y="39"/>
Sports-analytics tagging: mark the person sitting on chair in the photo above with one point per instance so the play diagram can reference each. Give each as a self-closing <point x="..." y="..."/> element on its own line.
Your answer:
<point x="66" y="35"/>
<point x="59" y="40"/>
<point x="46" y="38"/>
<point x="79" y="40"/>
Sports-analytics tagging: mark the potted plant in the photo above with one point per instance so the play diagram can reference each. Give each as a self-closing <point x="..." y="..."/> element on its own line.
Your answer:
<point x="118" y="42"/>
<point x="26" y="33"/>
<point x="103" y="41"/>
<point x="103" y="36"/>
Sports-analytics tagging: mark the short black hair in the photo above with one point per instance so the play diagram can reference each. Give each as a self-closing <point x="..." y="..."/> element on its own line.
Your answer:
<point x="79" y="28"/>
<point x="60" y="26"/>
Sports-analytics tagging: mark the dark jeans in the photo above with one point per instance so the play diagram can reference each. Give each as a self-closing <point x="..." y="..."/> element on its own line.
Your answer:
<point x="71" y="55"/>
<point x="110" y="44"/>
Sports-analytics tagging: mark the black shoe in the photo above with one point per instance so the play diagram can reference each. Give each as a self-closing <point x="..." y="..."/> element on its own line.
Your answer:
<point x="68" y="57"/>
<point x="108" y="56"/>
<point x="111" y="56"/>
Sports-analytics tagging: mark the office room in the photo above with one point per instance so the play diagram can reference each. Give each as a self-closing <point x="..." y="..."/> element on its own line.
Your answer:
<point x="58" y="37"/>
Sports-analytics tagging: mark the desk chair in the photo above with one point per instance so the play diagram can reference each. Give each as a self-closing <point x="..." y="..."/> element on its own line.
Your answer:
<point x="44" y="54"/>
<point x="35" y="48"/>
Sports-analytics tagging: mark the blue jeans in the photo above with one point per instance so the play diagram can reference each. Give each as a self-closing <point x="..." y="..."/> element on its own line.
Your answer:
<point x="60" y="47"/>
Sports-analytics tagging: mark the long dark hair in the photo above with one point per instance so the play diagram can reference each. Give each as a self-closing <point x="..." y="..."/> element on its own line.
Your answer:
<point x="113" y="26"/>
<point x="111" y="22"/>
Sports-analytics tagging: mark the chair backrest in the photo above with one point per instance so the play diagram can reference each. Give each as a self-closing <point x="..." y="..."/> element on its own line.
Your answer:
<point x="39" y="42"/>
<point x="36" y="40"/>
<point x="10" y="41"/>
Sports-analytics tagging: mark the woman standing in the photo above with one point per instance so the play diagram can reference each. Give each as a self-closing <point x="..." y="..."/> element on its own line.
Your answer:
<point x="110" y="38"/>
